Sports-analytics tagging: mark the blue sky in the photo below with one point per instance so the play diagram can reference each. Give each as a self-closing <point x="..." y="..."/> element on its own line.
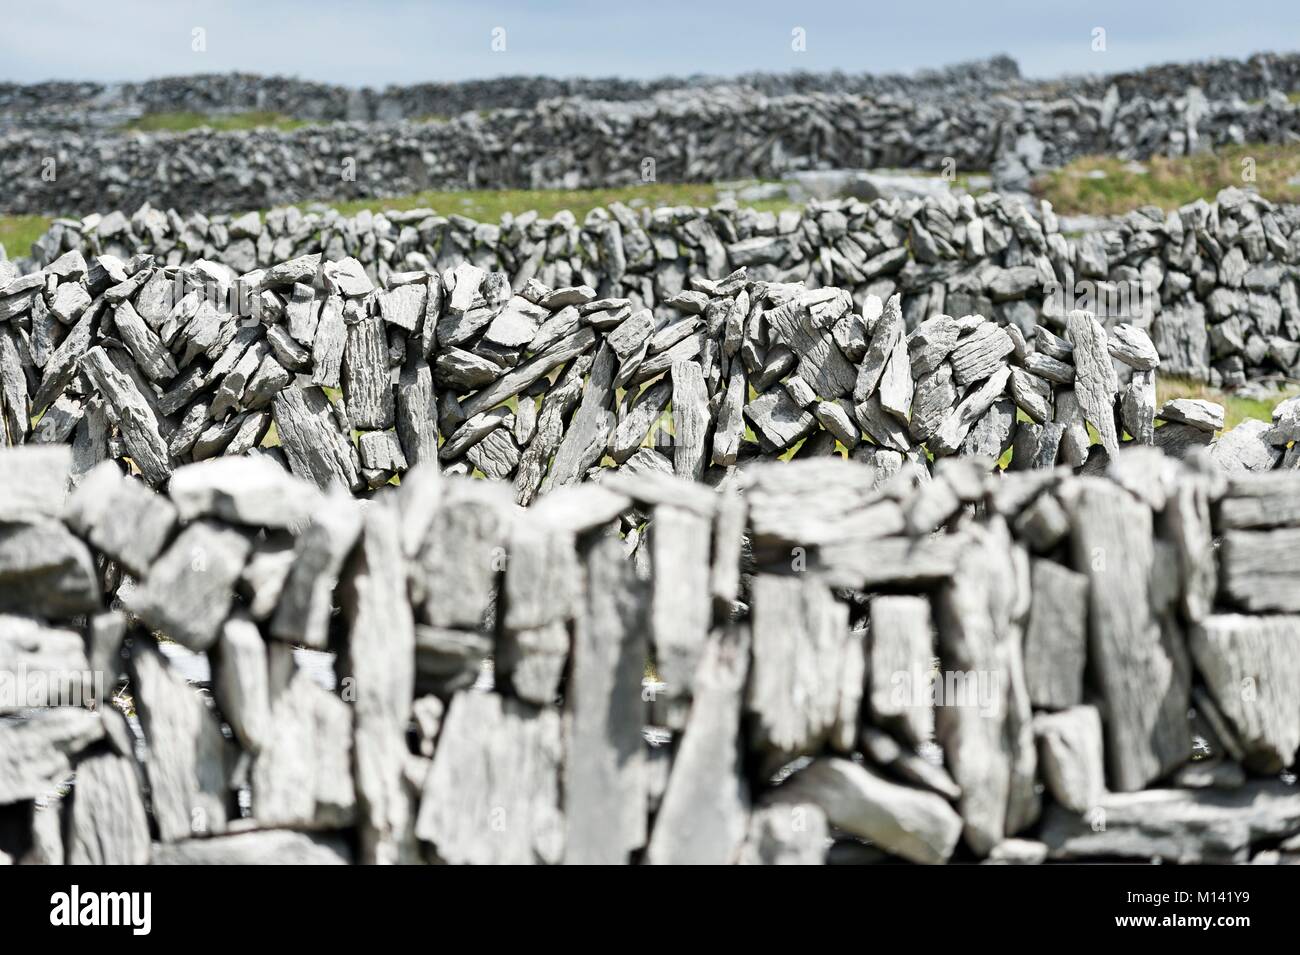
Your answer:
<point x="402" y="41"/>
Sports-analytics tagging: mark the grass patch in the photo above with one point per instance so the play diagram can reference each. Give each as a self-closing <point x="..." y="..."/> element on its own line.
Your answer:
<point x="1235" y="408"/>
<point x="17" y="233"/>
<point x="222" y="122"/>
<point x="1104" y="185"/>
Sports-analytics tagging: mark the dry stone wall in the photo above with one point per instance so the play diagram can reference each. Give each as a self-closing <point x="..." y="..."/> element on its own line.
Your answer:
<point x="1214" y="284"/>
<point x="849" y="666"/>
<point x="347" y="384"/>
<point x="81" y="105"/>
<point x="87" y="105"/>
<point x="723" y="133"/>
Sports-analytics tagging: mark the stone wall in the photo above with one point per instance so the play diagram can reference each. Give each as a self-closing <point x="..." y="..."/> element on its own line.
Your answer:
<point x="73" y="106"/>
<point x="846" y="666"/>
<point x="723" y="133"/>
<point x="82" y="105"/>
<point x="548" y="386"/>
<point x="1215" y="285"/>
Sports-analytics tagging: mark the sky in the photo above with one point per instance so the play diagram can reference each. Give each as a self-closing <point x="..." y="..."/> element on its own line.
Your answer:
<point x="380" y="42"/>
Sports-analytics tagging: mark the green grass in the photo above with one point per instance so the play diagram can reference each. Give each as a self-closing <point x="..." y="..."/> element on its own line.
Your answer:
<point x="1104" y="185"/>
<point x="17" y="233"/>
<point x="222" y="122"/>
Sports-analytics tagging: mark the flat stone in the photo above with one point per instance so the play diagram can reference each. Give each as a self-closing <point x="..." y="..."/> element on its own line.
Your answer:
<point x="1180" y="826"/>
<point x="261" y="847"/>
<point x="1205" y="415"/>
<point x="1070" y="754"/>
<point x="980" y="354"/>
<point x="777" y="419"/>
<point x="910" y="823"/>
<point x="886" y="752"/>
<point x="1133" y="347"/>
<point x="1257" y="572"/>
<point x="46" y="571"/>
<point x="36" y="754"/>
<point x="1245" y="448"/>
<point x="244" y="490"/>
<point x="188" y="592"/>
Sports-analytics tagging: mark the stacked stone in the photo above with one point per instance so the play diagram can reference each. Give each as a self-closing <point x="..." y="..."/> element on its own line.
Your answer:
<point x="850" y="666"/>
<point x="1214" y="284"/>
<point x="719" y="134"/>
<point x="79" y="106"/>
<point x="343" y="383"/>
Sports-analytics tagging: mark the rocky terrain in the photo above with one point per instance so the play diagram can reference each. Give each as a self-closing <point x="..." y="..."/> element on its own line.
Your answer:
<point x="85" y="105"/>
<point x="685" y="136"/>
<point x="1213" y="284"/>
<point x="850" y="666"/>
<point x="76" y="106"/>
<point x="847" y="534"/>
<point x="546" y="384"/>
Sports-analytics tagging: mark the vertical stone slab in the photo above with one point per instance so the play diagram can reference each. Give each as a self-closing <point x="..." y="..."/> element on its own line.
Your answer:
<point x="380" y="662"/>
<point x="1095" y="381"/>
<point x="971" y="723"/>
<point x="691" y="420"/>
<point x="106" y="818"/>
<point x="902" y="656"/>
<point x="681" y="607"/>
<point x="417" y="412"/>
<point x="302" y="778"/>
<point x="705" y="810"/>
<point x="801" y="636"/>
<point x="367" y="385"/>
<point x="1056" y="640"/>
<point x="464" y="553"/>
<point x="187" y="754"/>
<point x="605" y="791"/>
<point x="303" y="612"/>
<point x="1142" y="676"/>
<point x="492" y="796"/>
<point x="541" y="579"/>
